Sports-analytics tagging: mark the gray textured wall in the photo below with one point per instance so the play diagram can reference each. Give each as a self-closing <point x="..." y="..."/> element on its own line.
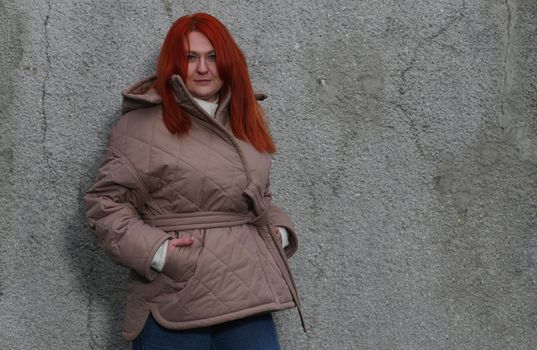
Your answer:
<point x="407" y="134"/>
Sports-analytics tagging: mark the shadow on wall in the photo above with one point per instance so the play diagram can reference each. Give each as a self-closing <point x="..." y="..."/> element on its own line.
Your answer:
<point x="101" y="282"/>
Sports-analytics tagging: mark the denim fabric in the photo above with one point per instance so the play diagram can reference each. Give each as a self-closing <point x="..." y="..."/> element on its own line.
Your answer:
<point x="251" y="333"/>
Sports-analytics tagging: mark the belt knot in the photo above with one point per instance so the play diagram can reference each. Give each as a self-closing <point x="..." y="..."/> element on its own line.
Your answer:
<point x="254" y="193"/>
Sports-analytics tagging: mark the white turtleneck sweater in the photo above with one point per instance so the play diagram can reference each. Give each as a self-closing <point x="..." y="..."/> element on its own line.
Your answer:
<point x="160" y="256"/>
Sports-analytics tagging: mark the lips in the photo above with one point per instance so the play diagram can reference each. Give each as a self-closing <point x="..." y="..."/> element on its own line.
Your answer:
<point x="203" y="81"/>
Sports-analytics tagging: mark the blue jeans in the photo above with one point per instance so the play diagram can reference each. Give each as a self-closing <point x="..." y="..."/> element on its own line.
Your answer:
<point x="251" y="333"/>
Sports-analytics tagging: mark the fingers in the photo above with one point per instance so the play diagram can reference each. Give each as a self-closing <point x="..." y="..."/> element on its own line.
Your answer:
<point x="277" y="233"/>
<point x="181" y="242"/>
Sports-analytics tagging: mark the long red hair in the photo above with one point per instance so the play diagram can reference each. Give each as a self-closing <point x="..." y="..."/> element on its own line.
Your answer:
<point x="246" y="116"/>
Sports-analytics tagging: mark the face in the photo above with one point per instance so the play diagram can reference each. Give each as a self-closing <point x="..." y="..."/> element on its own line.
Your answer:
<point x="202" y="79"/>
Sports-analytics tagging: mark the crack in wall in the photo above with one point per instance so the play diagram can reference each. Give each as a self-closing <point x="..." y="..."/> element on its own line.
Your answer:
<point x="414" y="132"/>
<point x="506" y="74"/>
<point x="459" y="14"/>
<point x="44" y="126"/>
<point x="402" y="87"/>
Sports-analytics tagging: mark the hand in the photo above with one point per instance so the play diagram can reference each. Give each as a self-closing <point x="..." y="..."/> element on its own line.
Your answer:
<point x="277" y="234"/>
<point x="177" y="260"/>
<point x="180" y="242"/>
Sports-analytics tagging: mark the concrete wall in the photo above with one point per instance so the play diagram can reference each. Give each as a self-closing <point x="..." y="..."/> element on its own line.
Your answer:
<point x="407" y="134"/>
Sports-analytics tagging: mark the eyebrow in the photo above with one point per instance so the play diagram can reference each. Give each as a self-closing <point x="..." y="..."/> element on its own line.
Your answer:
<point x="201" y="53"/>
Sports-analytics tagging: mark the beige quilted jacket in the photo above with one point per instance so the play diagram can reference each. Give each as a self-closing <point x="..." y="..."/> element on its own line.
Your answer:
<point x="209" y="185"/>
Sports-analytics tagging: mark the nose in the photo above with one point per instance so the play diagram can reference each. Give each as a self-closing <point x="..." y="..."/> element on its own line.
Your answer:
<point x="201" y="68"/>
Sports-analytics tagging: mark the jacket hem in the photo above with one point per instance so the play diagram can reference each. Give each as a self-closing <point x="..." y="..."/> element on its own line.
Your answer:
<point x="210" y="321"/>
<point x="205" y="322"/>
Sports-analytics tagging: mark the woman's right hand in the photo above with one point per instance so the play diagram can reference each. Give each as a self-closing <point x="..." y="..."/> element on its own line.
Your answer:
<point x="177" y="261"/>
<point x="178" y="242"/>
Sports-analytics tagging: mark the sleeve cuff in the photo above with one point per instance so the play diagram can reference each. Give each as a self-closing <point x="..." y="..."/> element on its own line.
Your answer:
<point x="160" y="257"/>
<point x="285" y="236"/>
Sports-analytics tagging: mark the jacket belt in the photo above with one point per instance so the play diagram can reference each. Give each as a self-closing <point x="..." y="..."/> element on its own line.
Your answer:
<point x="197" y="220"/>
<point x="212" y="219"/>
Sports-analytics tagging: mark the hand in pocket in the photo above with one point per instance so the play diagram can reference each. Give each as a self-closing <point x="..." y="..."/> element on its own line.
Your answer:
<point x="276" y="231"/>
<point x="177" y="261"/>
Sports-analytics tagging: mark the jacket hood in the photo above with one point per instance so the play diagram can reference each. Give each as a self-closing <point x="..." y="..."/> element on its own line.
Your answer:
<point x="142" y="94"/>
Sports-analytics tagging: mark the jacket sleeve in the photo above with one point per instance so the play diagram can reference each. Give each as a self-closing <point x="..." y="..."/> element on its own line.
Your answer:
<point x="277" y="217"/>
<point x="112" y="211"/>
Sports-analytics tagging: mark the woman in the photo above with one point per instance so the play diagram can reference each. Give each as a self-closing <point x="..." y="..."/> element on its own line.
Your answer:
<point x="182" y="199"/>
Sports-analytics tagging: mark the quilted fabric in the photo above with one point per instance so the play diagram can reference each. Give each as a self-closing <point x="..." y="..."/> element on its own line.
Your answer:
<point x="208" y="185"/>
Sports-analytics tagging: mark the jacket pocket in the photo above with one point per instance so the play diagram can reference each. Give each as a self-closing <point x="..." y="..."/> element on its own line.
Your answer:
<point x="181" y="262"/>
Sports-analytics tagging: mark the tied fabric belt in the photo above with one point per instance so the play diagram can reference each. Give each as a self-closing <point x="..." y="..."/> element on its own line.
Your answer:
<point x="213" y="219"/>
<point x="198" y="220"/>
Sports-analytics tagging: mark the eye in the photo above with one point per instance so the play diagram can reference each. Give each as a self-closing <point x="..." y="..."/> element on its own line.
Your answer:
<point x="190" y="57"/>
<point x="212" y="57"/>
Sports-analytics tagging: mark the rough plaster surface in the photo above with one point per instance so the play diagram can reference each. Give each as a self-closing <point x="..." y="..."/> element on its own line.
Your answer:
<point x="407" y="134"/>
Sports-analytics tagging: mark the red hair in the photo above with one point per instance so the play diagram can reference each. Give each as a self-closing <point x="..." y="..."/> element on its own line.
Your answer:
<point x="246" y="116"/>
